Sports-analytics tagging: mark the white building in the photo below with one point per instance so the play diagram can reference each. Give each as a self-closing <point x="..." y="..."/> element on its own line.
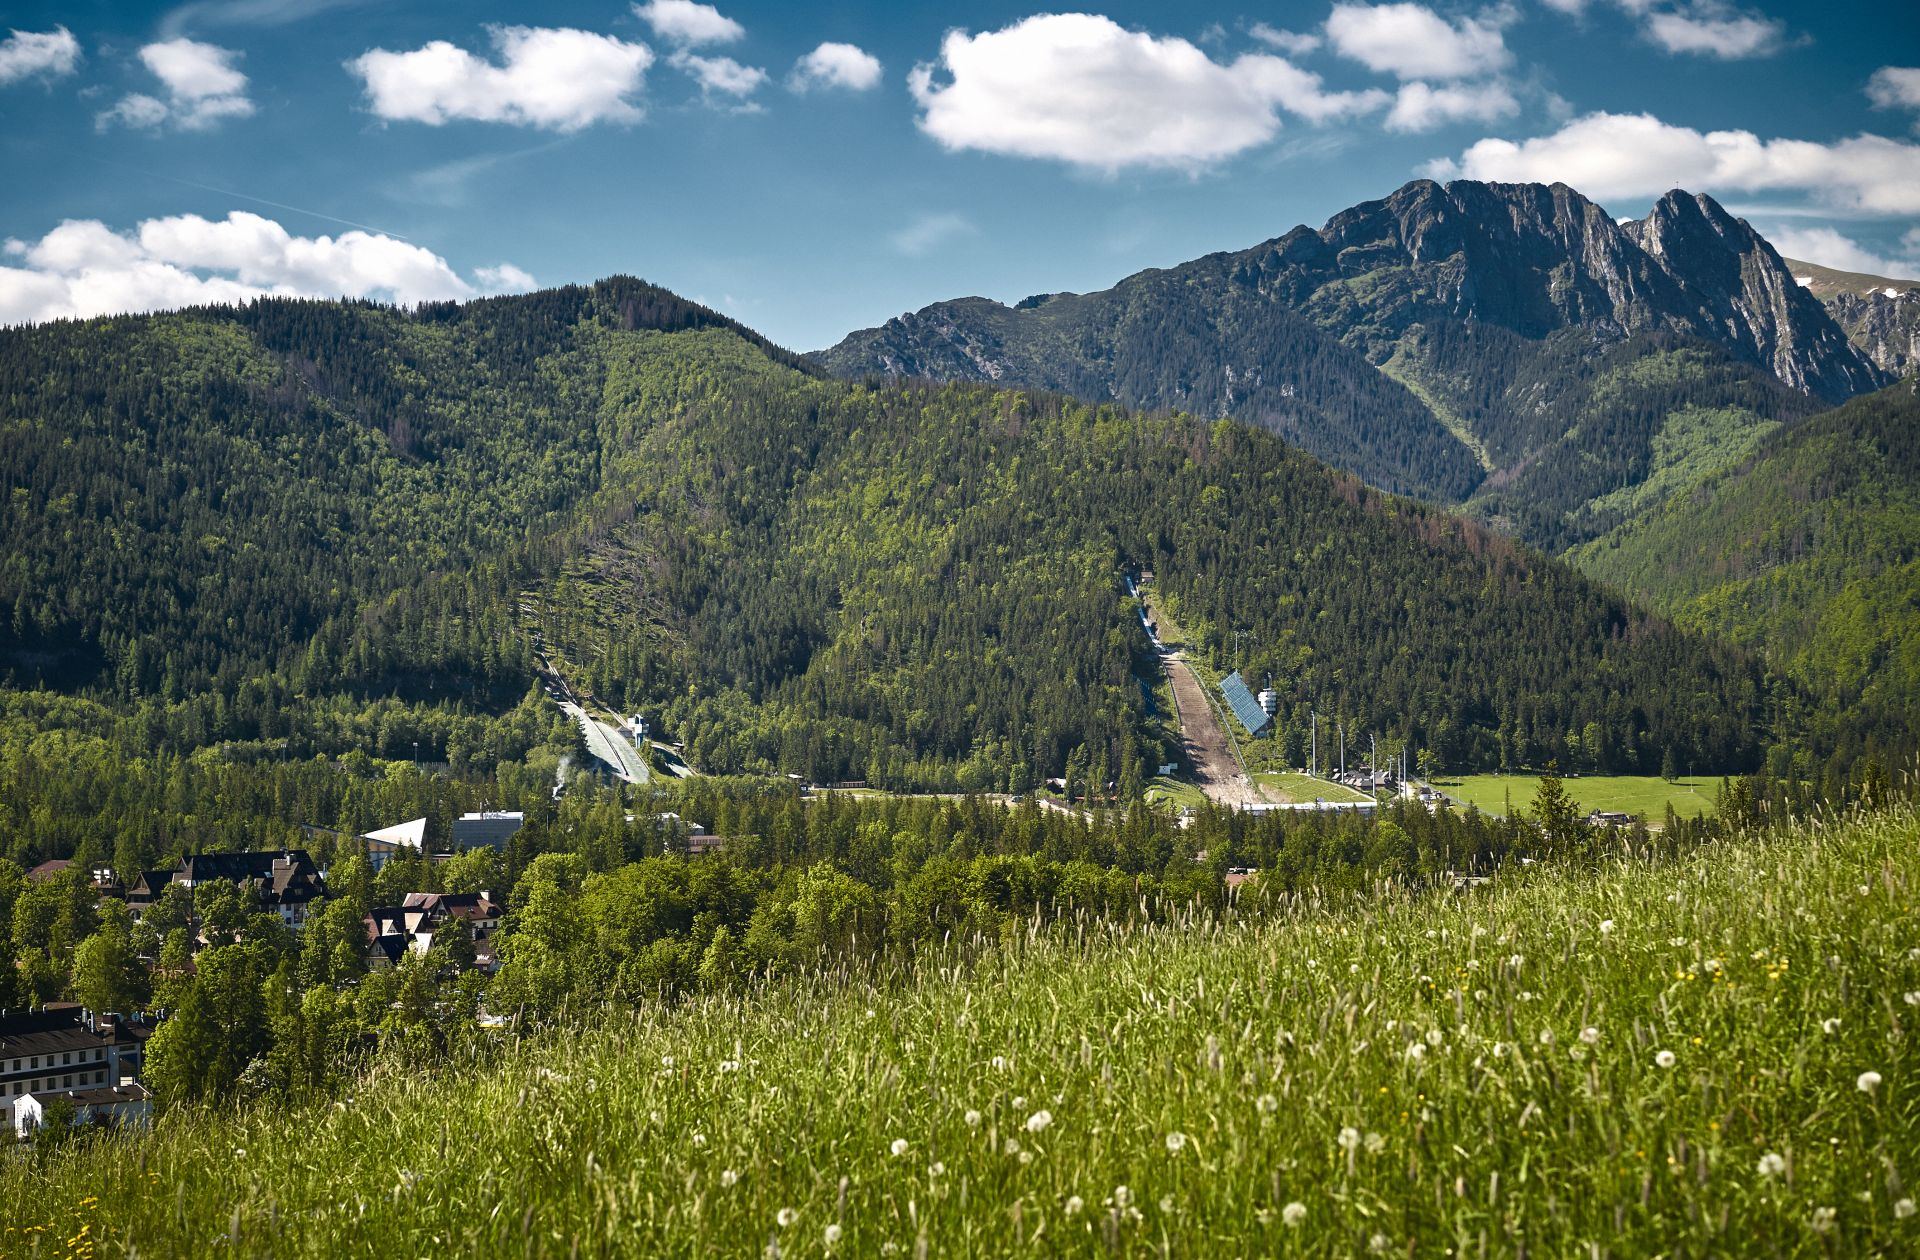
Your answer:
<point x="99" y="1104"/>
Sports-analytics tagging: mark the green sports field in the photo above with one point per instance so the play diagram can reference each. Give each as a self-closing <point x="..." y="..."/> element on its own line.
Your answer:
<point x="1301" y="787"/>
<point x="1645" y="795"/>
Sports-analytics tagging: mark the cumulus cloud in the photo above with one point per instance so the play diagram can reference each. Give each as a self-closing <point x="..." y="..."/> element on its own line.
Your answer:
<point x="722" y="76"/>
<point x="834" y="65"/>
<point x="1411" y="41"/>
<point x="1828" y="248"/>
<point x="1895" y="87"/>
<point x="1634" y="155"/>
<point x="1079" y="88"/>
<point x="931" y="231"/>
<point x="83" y="268"/>
<point x="1294" y="42"/>
<point x="49" y="54"/>
<point x="202" y="84"/>
<point x="1422" y="107"/>
<point x="688" y="23"/>
<point x="505" y="278"/>
<point x="1713" y="29"/>
<point x="552" y="77"/>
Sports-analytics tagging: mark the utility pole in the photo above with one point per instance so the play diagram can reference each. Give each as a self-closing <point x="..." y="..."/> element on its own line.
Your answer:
<point x="1313" y="755"/>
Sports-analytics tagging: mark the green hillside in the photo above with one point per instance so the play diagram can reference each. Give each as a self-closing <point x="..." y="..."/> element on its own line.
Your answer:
<point x="1710" y="1056"/>
<point x="250" y="525"/>
<point x="1807" y="549"/>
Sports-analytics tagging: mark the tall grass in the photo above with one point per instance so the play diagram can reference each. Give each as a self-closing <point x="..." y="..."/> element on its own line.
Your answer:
<point x="1645" y="1059"/>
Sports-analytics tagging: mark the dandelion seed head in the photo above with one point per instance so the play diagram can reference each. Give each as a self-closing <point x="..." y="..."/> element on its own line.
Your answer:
<point x="1590" y="1035"/>
<point x="1267" y="1104"/>
<point x="1606" y="927"/>
<point x="972" y="1118"/>
<point x="785" y="1216"/>
<point x="1823" y="1219"/>
<point x="831" y="1235"/>
<point x="729" y="1178"/>
<point x="1038" y="1121"/>
<point x="1830" y="1026"/>
<point x="1867" y="1082"/>
<point x="1294" y="1214"/>
<point x="1349" y="1139"/>
<point x="1903" y="1209"/>
<point x="1772" y="1165"/>
<point x="1074" y="1204"/>
<point x="899" y="1147"/>
<point x="1176" y="1142"/>
<point x="1665" y="1058"/>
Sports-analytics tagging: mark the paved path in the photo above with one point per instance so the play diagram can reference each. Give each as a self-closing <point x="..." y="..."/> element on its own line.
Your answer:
<point x="609" y="746"/>
<point x="1215" y="771"/>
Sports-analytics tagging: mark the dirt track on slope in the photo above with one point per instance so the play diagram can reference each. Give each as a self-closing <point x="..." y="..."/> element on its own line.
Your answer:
<point x="1215" y="771"/>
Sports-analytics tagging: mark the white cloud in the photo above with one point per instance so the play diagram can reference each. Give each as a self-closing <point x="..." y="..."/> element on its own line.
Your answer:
<point x="1895" y="87"/>
<point x="1420" y="107"/>
<point x="1637" y="155"/>
<point x="1080" y="88"/>
<point x="721" y="75"/>
<point x="506" y="278"/>
<point x="930" y="231"/>
<point x="552" y="77"/>
<point x="82" y="268"/>
<point x="202" y="84"/>
<point x="24" y="54"/>
<point x="834" y="65"/>
<point x="1714" y="30"/>
<point x="1413" y="42"/>
<point x="1286" y="41"/>
<point x="687" y="23"/>
<point x="1828" y="248"/>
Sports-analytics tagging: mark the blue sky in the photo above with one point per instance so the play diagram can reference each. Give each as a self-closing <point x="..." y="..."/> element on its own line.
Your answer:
<point x="815" y="168"/>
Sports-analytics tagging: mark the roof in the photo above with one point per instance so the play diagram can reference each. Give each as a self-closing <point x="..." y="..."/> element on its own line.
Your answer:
<point x="1244" y="705"/>
<point x="412" y="835"/>
<point x="96" y="1096"/>
<point x="47" y="870"/>
<point x="28" y="1033"/>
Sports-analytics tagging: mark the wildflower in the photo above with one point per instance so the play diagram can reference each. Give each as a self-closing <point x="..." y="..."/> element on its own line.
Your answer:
<point x="1293" y="1214"/>
<point x="1903" y="1209"/>
<point x="1122" y="1196"/>
<point x="1499" y="1049"/>
<point x="1416" y="1051"/>
<point x="1867" y="1082"/>
<point x="1177" y="1141"/>
<point x="666" y="1060"/>
<point x="1712" y="964"/>
<point x="1830" y="1026"/>
<point x="1772" y="1165"/>
<point x="1026" y="1157"/>
<point x="1013" y="1146"/>
<point x="1546" y="1036"/>
<point x="1517" y="961"/>
<point x="1074" y="1204"/>
<point x="1677" y="941"/>
<point x="899" y="1147"/>
<point x="1606" y="927"/>
<point x="699" y="1140"/>
<point x="729" y="1179"/>
<point x="1019" y="1101"/>
<point x="1590" y="1035"/>
<point x="999" y="1062"/>
<point x="1913" y="998"/>
<point x="1378" y="1244"/>
<point x="937" y="1169"/>
<point x="1349" y="1139"/>
<point x="972" y="1118"/>
<point x="1267" y="1104"/>
<point x="1823" y="1219"/>
<point x="785" y="1217"/>
<point x="729" y="1065"/>
<point x="1665" y="1058"/>
<point x="1375" y="1143"/>
<point x="832" y="1235"/>
<point x="1435" y="1037"/>
<point x="1166" y="1204"/>
<point x="1038" y="1121"/>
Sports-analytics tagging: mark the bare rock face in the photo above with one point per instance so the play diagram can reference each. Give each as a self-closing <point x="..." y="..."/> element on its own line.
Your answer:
<point x="1885" y="326"/>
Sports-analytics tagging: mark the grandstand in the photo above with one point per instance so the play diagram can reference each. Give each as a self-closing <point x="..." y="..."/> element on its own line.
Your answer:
<point x="1244" y="705"/>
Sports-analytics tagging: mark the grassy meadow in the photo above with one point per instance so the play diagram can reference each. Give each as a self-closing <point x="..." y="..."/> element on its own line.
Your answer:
<point x="1304" y="787"/>
<point x="1643" y="794"/>
<point x="1711" y="1056"/>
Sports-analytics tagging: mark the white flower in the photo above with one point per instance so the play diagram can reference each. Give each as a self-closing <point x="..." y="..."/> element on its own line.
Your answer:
<point x="1867" y="1082"/>
<point x="1122" y="1196"/>
<point x="1349" y="1139"/>
<point x="1267" y="1104"/>
<point x="666" y="1060"/>
<point x="1038" y="1121"/>
<point x="1293" y="1214"/>
<point x="1013" y="1146"/>
<point x="1546" y="1036"/>
<point x="999" y="1062"/>
<point x="1517" y="961"/>
<point x="1166" y="1204"/>
<point x="832" y="1235"/>
<point x="1378" y="1244"/>
<point x="1176" y="1142"/>
<point x="1019" y="1101"/>
<point x="1712" y="964"/>
<point x="699" y="1139"/>
<point x="1822" y="1219"/>
<point x="1375" y="1143"/>
<point x="1435" y="1037"/>
<point x="729" y="1065"/>
<point x="1913" y="998"/>
<point x="1830" y="1026"/>
<point x="937" y="1169"/>
<point x="1665" y="1058"/>
<point x="729" y="1179"/>
<point x="899" y="1147"/>
<point x="1606" y="927"/>
<point x="1772" y="1165"/>
<point x="1590" y="1035"/>
<point x="1074" y="1204"/>
<point x="1416" y="1051"/>
<point x="1903" y="1209"/>
<point x="1499" y="1049"/>
<point x="785" y="1217"/>
<point x="972" y="1118"/>
<point x="1677" y="941"/>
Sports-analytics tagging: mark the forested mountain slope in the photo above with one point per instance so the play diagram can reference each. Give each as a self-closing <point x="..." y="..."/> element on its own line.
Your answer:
<point x="1808" y="549"/>
<point x="1553" y="361"/>
<point x="230" y="520"/>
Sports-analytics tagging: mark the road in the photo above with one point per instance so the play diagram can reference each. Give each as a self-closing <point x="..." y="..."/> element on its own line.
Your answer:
<point x="1215" y="771"/>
